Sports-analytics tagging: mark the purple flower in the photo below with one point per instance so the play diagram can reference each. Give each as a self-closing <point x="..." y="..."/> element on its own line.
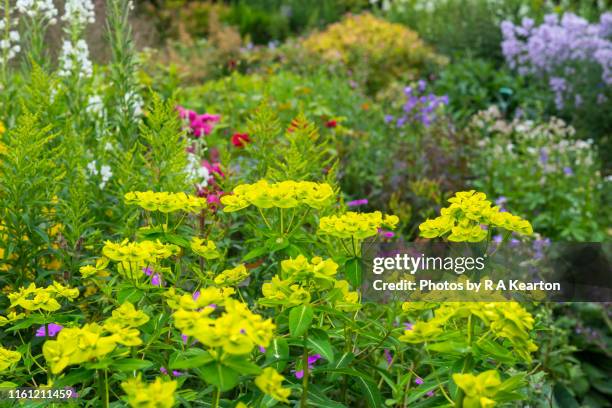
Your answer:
<point x="501" y="201"/>
<point x="196" y="295"/>
<point x="262" y="349"/>
<point x="430" y="393"/>
<point x="408" y="326"/>
<point x="176" y="373"/>
<point x="52" y="330"/>
<point x="497" y="239"/>
<point x="356" y="203"/>
<point x="422" y="85"/>
<point x="388" y="357"/>
<point x="388" y="119"/>
<point x="543" y="155"/>
<point x="163" y="370"/>
<point x="156" y="280"/>
<point x="147" y="270"/>
<point x="419" y="381"/>
<point x="386" y="234"/>
<point x="568" y="171"/>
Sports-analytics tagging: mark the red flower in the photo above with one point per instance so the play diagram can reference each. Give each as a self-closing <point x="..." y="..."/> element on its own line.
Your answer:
<point x="331" y="123"/>
<point x="240" y="139"/>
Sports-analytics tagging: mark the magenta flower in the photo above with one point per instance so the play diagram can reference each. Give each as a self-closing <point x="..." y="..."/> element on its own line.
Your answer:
<point x="356" y="203"/>
<point x="311" y="361"/>
<point x="52" y="330"/>
<point x="419" y="381"/>
<point x="430" y="393"/>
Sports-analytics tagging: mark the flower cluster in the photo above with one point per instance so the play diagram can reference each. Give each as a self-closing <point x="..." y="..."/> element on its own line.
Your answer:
<point x="166" y="202"/>
<point x="46" y="299"/>
<point x="478" y="389"/>
<point x="78" y="345"/>
<point x="33" y="8"/>
<point x="523" y="162"/>
<point x="419" y="107"/>
<point x="236" y="331"/>
<point x="357" y="225"/>
<point x="134" y="257"/>
<point x="9" y="42"/>
<point x="199" y="124"/>
<point x="465" y="217"/>
<point x="233" y="276"/>
<point x="507" y="320"/>
<point x="562" y="50"/>
<point x="8" y="358"/>
<point x="270" y="383"/>
<point x="300" y="279"/>
<point x="79" y="12"/>
<point x="105" y="172"/>
<point x="159" y="394"/>
<point x="286" y="194"/>
<point x="207" y="250"/>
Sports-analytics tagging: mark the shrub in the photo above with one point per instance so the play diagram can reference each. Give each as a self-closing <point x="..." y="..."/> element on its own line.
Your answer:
<point x="373" y="50"/>
<point x="540" y="171"/>
<point x="573" y="59"/>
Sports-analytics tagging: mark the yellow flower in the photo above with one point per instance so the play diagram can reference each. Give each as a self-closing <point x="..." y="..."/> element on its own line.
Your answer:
<point x="270" y="382"/>
<point x="158" y="394"/>
<point x="76" y="346"/>
<point x="166" y="202"/>
<point x="10" y="318"/>
<point x="8" y="358"/>
<point x="286" y="194"/>
<point x="356" y="225"/>
<point x="465" y="216"/>
<point x="479" y="388"/>
<point x="126" y="315"/>
<point x="230" y="277"/>
<point x="206" y="250"/>
<point x="2" y="128"/>
<point x="88" y="270"/>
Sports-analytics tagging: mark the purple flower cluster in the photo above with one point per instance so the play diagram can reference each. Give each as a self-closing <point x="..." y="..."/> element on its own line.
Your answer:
<point x="561" y="49"/>
<point x="420" y="107"/>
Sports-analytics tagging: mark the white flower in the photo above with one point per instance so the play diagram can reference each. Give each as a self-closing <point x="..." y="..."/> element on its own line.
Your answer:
<point x="106" y="173"/>
<point x="95" y="106"/>
<point x="92" y="167"/>
<point x="75" y="56"/>
<point x="135" y="102"/>
<point x="79" y="12"/>
<point x="32" y="8"/>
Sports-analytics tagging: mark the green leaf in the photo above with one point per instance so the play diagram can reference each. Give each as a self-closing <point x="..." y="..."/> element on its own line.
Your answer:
<point x="300" y="318"/>
<point x="191" y="358"/>
<point x="129" y="294"/>
<point x="255" y="253"/>
<point x="563" y="397"/>
<point x="130" y="364"/>
<point x="79" y="376"/>
<point x="318" y="341"/>
<point x="223" y="377"/>
<point x="370" y="392"/>
<point x="241" y="365"/>
<point x="354" y="272"/>
<point x="277" y="353"/>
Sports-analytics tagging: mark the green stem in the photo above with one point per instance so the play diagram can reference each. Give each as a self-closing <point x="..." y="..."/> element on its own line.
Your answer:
<point x="216" y="398"/>
<point x="303" y="401"/>
<point x="103" y="387"/>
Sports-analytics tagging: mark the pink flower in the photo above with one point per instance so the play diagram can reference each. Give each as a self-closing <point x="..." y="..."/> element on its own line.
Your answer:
<point x="311" y="360"/>
<point x="240" y="139"/>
